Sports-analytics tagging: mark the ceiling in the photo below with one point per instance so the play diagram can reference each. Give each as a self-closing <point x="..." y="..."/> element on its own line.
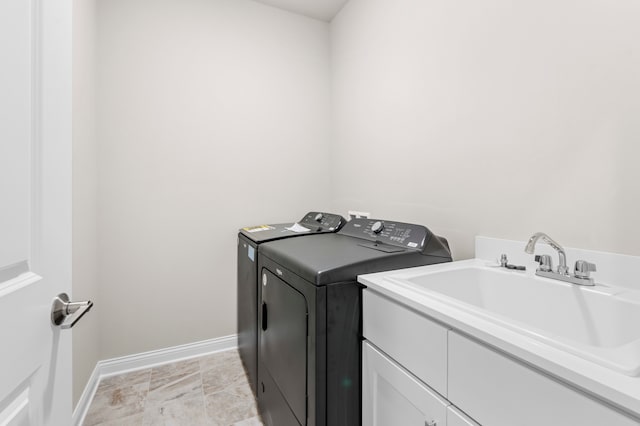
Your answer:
<point x="324" y="10"/>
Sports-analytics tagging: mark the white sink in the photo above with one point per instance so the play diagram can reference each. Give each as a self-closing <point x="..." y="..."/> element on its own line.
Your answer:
<point x="596" y="323"/>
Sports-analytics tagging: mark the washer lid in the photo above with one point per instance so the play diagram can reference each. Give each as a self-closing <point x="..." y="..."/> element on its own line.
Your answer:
<point x="331" y="258"/>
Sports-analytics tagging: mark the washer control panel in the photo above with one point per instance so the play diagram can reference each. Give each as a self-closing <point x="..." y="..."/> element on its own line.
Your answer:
<point x="399" y="234"/>
<point x="322" y="221"/>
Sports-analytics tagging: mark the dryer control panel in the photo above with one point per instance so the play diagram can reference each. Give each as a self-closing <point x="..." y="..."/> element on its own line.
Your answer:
<point x="398" y="234"/>
<point x="322" y="221"/>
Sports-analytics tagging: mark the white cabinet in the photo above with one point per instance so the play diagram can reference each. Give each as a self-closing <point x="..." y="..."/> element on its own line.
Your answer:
<point x="498" y="391"/>
<point x="417" y="371"/>
<point x="414" y="341"/>
<point x="392" y="397"/>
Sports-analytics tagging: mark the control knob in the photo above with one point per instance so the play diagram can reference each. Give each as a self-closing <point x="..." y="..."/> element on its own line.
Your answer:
<point x="318" y="217"/>
<point x="377" y="227"/>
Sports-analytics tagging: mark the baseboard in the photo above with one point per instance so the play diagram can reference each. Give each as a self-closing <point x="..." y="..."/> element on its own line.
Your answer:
<point x="85" y="399"/>
<point x="126" y="364"/>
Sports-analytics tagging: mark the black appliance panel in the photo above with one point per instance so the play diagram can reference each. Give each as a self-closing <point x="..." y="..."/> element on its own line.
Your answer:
<point x="388" y="232"/>
<point x="283" y="342"/>
<point x="271" y="402"/>
<point x="336" y="257"/>
<point x="333" y="353"/>
<point x="343" y="370"/>
<point x="279" y="412"/>
<point x="249" y="238"/>
<point x="325" y="221"/>
<point x="316" y="222"/>
<point x="247" y="290"/>
<point x="398" y="234"/>
<point x="325" y="268"/>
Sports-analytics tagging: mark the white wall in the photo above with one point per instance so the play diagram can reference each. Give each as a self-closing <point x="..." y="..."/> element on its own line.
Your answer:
<point x="212" y="115"/>
<point x="496" y="118"/>
<point x="490" y="118"/>
<point x="85" y="279"/>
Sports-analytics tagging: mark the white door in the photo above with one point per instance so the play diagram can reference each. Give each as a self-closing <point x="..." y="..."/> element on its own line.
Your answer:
<point x="35" y="210"/>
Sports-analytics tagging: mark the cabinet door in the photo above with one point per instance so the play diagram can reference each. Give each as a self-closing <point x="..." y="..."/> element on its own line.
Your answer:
<point x="499" y="391"/>
<point x="391" y="396"/>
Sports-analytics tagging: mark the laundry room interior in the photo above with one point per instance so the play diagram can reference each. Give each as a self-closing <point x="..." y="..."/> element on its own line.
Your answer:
<point x="193" y="119"/>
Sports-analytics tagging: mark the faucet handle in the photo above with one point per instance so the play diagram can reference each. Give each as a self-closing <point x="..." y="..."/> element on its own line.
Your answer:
<point x="545" y="262"/>
<point x="584" y="268"/>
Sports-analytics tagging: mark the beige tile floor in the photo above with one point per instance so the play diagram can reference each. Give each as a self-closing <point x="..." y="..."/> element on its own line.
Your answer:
<point x="211" y="390"/>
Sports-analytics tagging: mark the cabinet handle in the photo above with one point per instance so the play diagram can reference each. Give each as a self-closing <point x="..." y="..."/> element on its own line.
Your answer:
<point x="264" y="316"/>
<point x="430" y="423"/>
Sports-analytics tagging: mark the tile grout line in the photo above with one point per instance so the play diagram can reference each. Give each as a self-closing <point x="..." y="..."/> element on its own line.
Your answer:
<point x="146" y="398"/>
<point x="204" y="400"/>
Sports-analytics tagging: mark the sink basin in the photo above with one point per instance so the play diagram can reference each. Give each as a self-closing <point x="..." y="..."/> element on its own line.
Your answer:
<point x="596" y="323"/>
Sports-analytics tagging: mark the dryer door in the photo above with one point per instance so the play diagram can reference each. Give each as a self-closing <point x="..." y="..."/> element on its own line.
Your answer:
<point x="283" y="341"/>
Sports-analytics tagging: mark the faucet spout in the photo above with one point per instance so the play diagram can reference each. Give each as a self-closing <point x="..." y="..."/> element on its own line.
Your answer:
<point x="562" y="258"/>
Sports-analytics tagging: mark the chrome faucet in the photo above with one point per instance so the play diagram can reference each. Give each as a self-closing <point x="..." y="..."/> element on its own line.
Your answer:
<point x="562" y="258"/>
<point x="581" y="271"/>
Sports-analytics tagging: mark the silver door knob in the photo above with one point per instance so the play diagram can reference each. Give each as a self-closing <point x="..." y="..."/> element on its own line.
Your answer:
<point x="65" y="313"/>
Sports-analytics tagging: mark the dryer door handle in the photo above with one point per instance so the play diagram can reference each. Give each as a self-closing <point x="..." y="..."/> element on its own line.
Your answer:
<point x="264" y="316"/>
